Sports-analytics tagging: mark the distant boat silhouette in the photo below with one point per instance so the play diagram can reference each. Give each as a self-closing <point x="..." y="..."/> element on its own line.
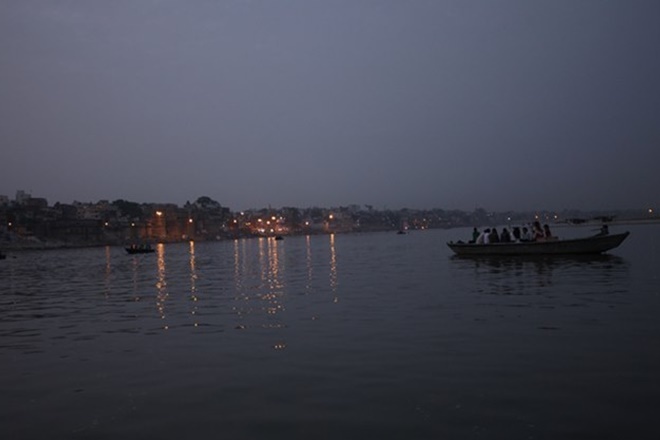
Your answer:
<point x="141" y="249"/>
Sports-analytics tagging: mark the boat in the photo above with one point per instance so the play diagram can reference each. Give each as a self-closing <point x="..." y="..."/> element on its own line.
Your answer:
<point x="596" y="244"/>
<point x="141" y="249"/>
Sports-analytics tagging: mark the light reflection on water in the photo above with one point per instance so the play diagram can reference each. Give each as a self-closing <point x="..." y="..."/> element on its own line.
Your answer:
<point x="193" y="281"/>
<point x="333" y="266"/>
<point x="249" y="337"/>
<point x="261" y="300"/>
<point x="161" y="283"/>
<point x="256" y="289"/>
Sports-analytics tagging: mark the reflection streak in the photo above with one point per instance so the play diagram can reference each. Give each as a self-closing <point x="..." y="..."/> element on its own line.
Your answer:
<point x="161" y="283"/>
<point x="333" y="267"/>
<point x="274" y="284"/>
<point x="310" y="271"/>
<point x="193" y="281"/>
<point x="260" y="278"/>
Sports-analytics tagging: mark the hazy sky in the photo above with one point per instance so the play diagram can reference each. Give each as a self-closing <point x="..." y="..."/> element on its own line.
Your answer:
<point x="515" y="104"/>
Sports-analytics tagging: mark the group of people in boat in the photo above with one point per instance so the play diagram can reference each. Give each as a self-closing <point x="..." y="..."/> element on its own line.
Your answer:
<point x="141" y="247"/>
<point x="517" y="235"/>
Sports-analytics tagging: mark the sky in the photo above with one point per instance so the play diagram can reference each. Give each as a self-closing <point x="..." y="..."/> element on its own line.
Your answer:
<point x="507" y="105"/>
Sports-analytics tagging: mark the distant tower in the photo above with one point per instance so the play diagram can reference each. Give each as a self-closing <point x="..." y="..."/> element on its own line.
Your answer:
<point x="22" y="197"/>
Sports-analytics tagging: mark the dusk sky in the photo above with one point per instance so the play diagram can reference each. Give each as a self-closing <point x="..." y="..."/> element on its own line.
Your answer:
<point x="505" y="105"/>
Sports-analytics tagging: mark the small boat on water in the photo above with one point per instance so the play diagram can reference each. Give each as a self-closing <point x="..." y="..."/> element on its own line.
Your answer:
<point x="141" y="249"/>
<point x="577" y="246"/>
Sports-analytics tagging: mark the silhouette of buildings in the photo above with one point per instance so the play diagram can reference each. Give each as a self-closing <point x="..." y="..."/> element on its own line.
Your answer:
<point x="31" y="221"/>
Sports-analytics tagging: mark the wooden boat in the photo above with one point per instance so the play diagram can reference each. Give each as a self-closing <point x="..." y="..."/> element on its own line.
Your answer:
<point x="589" y="245"/>
<point x="140" y="249"/>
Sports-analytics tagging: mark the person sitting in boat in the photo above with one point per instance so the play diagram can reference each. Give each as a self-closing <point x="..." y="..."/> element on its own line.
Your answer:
<point x="475" y="235"/>
<point x="484" y="237"/>
<point x="526" y="235"/>
<point x="537" y="231"/>
<point x="604" y="230"/>
<point x="494" y="236"/>
<point x="547" y="234"/>
<point x="505" y="236"/>
<point x="516" y="234"/>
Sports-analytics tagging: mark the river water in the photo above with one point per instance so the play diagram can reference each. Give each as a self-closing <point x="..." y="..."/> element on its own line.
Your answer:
<point x="336" y="336"/>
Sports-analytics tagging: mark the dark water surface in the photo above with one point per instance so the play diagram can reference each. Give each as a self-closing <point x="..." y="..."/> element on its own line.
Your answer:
<point x="345" y="336"/>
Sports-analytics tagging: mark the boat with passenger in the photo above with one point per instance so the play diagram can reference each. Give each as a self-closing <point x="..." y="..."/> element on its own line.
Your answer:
<point x="596" y="244"/>
<point x="140" y="249"/>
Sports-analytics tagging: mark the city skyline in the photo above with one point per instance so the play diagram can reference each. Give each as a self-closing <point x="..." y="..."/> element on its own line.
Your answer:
<point x="509" y="106"/>
<point x="23" y="198"/>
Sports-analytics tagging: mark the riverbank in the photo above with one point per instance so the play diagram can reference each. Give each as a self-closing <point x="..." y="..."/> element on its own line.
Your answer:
<point x="35" y="244"/>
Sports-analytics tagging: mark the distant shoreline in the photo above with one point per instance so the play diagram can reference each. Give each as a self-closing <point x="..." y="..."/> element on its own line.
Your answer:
<point x="34" y="245"/>
<point x="43" y="245"/>
<point x="592" y="223"/>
